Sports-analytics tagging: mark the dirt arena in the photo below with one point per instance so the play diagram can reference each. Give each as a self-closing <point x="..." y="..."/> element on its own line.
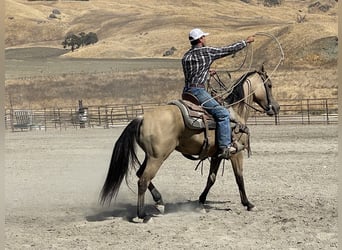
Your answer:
<point x="53" y="179"/>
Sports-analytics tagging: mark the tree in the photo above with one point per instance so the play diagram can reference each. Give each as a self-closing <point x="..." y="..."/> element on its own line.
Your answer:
<point x="71" y="40"/>
<point x="74" y="41"/>
<point x="90" y="38"/>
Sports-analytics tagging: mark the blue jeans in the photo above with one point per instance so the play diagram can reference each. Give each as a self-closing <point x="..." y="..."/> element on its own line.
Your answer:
<point x="220" y="114"/>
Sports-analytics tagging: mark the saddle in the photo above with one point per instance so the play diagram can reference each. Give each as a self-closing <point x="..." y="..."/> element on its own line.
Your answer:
<point x="197" y="118"/>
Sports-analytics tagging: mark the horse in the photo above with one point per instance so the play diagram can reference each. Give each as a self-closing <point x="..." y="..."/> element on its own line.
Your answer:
<point x="162" y="130"/>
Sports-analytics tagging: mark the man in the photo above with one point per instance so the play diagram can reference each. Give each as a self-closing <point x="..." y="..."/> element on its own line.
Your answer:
<point x="196" y="64"/>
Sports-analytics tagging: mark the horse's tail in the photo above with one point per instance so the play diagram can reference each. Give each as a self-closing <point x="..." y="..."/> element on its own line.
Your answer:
<point x="123" y="157"/>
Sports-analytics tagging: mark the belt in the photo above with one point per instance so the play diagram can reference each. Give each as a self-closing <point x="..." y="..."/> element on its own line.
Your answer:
<point x="200" y="85"/>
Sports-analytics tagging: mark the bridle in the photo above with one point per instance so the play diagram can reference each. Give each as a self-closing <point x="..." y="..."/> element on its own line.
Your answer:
<point x="265" y="80"/>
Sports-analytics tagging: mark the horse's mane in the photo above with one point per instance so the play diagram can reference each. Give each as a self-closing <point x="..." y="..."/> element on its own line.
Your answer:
<point x="238" y="94"/>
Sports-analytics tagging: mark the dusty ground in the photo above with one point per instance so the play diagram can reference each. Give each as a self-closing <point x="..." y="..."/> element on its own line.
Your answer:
<point x="53" y="179"/>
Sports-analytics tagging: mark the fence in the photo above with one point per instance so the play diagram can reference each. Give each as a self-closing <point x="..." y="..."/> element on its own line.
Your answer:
<point x="301" y="111"/>
<point x="70" y="117"/>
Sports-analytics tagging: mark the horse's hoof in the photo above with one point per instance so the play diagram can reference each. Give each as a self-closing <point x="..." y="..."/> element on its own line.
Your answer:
<point x="200" y="208"/>
<point x="146" y="219"/>
<point x="252" y="209"/>
<point x="137" y="220"/>
<point x="160" y="208"/>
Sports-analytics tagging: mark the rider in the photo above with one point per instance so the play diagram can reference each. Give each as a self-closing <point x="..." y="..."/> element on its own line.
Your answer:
<point x="196" y="64"/>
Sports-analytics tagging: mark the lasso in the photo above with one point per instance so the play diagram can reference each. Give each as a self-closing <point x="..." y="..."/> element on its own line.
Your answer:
<point x="227" y="92"/>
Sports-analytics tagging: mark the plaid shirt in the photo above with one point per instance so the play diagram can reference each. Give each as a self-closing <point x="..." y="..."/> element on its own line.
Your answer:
<point x="196" y="61"/>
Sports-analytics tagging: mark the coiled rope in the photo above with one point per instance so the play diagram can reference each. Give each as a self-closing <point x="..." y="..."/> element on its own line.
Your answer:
<point x="227" y="92"/>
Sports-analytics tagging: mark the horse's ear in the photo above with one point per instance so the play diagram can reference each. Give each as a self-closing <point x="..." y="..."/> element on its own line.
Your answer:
<point x="262" y="68"/>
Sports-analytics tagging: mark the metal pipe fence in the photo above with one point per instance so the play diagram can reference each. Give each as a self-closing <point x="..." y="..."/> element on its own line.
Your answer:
<point x="298" y="111"/>
<point x="301" y="111"/>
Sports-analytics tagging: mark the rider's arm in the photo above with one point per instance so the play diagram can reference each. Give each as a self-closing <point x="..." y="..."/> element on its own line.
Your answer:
<point x="230" y="49"/>
<point x="217" y="53"/>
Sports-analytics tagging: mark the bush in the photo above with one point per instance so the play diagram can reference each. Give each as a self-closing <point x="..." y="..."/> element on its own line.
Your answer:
<point x="271" y="3"/>
<point x="52" y="15"/>
<point x="90" y="38"/>
<point x="170" y="51"/>
<point x="56" y="12"/>
<point x="318" y="7"/>
<point x="74" y="41"/>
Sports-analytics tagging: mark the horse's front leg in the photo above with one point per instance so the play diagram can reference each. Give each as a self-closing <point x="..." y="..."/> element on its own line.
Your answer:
<point x="237" y="164"/>
<point x="214" y="166"/>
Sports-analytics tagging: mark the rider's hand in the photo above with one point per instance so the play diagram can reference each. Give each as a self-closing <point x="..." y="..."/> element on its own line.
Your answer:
<point x="250" y="39"/>
<point x="212" y="72"/>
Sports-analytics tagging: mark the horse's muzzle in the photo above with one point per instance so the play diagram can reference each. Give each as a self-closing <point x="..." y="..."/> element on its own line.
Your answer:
<point x="273" y="109"/>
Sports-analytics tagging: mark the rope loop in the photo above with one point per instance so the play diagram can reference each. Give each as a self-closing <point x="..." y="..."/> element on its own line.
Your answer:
<point x="228" y="91"/>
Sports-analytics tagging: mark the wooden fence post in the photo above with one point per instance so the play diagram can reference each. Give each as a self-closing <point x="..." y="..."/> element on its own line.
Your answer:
<point x="327" y="110"/>
<point x="11" y="117"/>
<point x="126" y="113"/>
<point x="106" y="117"/>
<point x="99" y="115"/>
<point x="308" y="109"/>
<point x="111" y="116"/>
<point x="45" y="119"/>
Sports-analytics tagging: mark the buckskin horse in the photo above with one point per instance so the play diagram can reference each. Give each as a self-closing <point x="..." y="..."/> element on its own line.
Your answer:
<point x="171" y="127"/>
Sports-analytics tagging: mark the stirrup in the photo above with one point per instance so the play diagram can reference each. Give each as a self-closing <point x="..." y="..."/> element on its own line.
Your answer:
<point x="227" y="152"/>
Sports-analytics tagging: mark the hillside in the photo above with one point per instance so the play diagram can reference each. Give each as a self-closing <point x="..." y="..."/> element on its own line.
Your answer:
<point x="146" y="29"/>
<point x="149" y="28"/>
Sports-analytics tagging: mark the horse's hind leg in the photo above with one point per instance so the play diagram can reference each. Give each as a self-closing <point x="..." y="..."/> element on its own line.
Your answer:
<point x="155" y="194"/>
<point x="214" y="166"/>
<point x="152" y="166"/>
<point x="153" y="190"/>
<point x="237" y="163"/>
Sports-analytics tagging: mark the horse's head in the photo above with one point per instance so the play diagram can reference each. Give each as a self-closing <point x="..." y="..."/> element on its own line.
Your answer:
<point x="254" y="86"/>
<point x="263" y="94"/>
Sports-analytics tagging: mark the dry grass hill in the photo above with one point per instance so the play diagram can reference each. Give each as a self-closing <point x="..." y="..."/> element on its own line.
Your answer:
<point x="146" y="29"/>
